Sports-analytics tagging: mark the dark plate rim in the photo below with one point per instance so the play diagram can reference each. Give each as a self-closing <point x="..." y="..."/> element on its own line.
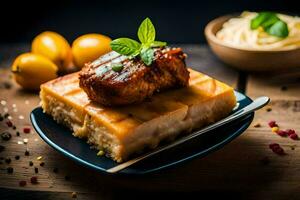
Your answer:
<point x="211" y="149"/>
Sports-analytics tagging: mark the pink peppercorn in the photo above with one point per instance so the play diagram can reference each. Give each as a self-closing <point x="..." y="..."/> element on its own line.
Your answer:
<point x="34" y="180"/>
<point x="273" y="145"/>
<point x="282" y="133"/>
<point x="290" y="132"/>
<point x="294" y="136"/>
<point x="9" y="123"/>
<point x="22" y="183"/>
<point x="26" y="130"/>
<point x="272" y="124"/>
<point x="278" y="151"/>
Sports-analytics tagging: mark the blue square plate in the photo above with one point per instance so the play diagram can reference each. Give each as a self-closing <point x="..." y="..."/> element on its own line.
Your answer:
<point x="61" y="139"/>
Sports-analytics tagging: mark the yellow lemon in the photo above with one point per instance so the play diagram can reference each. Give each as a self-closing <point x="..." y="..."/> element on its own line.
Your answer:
<point x="89" y="47"/>
<point x="55" y="47"/>
<point x="31" y="70"/>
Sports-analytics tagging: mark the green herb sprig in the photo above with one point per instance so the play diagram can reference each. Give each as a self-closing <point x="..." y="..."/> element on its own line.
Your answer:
<point x="132" y="48"/>
<point x="271" y="24"/>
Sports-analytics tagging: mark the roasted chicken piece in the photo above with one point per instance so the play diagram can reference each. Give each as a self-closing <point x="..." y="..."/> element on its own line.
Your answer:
<point x="136" y="81"/>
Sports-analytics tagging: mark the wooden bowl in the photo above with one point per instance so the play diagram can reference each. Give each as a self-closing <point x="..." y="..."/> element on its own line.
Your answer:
<point x="248" y="59"/>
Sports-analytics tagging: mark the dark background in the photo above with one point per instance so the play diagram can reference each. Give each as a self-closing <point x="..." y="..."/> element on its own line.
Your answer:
<point x="176" y="21"/>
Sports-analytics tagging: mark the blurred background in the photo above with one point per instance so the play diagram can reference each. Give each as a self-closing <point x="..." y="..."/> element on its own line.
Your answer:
<point x="176" y="21"/>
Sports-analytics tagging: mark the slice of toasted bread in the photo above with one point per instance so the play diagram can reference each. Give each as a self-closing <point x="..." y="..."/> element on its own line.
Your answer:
<point x="122" y="131"/>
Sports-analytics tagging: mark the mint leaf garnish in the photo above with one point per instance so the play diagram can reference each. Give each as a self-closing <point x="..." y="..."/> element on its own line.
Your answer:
<point x="146" y="32"/>
<point x="125" y="46"/>
<point x="279" y="29"/>
<point x="131" y="48"/>
<point x="147" y="56"/>
<point x="158" y="44"/>
<point x="271" y="23"/>
<point x="263" y="19"/>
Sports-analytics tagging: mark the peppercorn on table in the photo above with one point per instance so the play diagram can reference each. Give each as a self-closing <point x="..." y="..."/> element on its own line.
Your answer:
<point x="246" y="167"/>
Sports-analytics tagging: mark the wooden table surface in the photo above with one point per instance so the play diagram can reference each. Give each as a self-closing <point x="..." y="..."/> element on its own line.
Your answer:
<point x="240" y="169"/>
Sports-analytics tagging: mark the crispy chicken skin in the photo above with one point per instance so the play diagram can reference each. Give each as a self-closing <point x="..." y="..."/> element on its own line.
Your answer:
<point x="136" y="81"/>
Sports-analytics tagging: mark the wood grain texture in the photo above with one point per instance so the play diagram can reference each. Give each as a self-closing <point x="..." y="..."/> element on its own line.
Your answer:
<point x="285" y="86"/>
<point x="235" y="171"/>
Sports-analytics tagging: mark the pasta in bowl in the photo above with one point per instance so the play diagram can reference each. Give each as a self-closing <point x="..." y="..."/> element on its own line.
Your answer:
<point x="256" y="41"/>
